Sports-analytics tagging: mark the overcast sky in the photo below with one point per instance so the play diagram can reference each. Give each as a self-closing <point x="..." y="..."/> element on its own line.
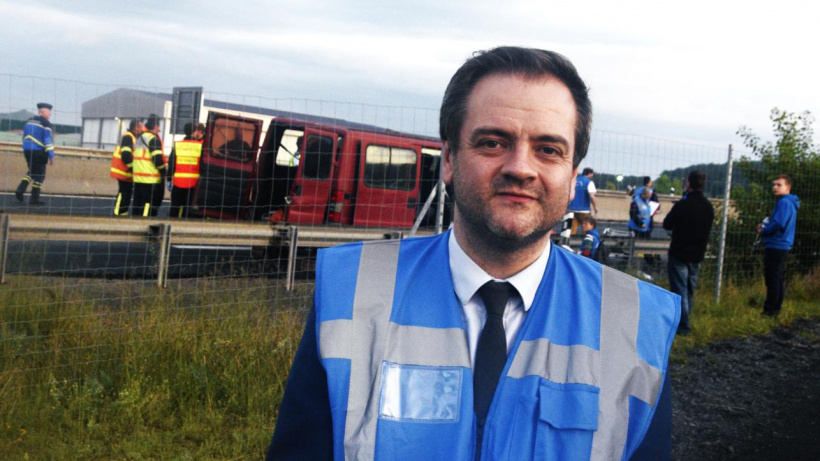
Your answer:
<point x="692" y="71"/>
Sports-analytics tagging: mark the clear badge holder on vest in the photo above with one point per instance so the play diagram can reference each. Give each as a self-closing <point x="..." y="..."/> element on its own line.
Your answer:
<point x="424" y="394"/>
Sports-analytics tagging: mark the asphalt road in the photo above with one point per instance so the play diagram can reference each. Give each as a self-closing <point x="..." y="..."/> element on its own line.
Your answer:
<point x="115" y="260"/>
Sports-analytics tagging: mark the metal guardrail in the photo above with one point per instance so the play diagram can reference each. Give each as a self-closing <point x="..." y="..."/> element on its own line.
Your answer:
<point x="163" y="233"/>
<point x="66" y="151"/>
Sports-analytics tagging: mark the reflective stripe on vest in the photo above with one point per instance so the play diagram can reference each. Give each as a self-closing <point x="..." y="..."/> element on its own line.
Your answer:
<point x="145" y="172"/>
<point x="186" y="168"/>
<point x="34" y="140"/>
<point x="371" y="342"/>
<point x="119" y="170"/>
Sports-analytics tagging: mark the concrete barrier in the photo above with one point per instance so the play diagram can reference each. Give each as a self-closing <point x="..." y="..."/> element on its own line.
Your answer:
<point x="76" y="171"/>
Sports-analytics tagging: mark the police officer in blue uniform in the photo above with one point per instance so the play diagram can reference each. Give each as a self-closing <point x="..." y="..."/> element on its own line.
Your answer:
<point x="38" y="148"/>
<point x="486" y="342"/>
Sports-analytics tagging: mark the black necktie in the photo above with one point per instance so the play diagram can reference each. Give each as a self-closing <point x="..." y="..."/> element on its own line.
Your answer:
<point x="491" y="353"/>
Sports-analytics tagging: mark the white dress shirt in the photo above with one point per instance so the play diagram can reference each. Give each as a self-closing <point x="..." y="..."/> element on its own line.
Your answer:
<point x="468" y="277"/>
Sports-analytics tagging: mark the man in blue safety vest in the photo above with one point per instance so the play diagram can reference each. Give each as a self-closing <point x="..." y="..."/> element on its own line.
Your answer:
<point x="38" y="148"/>
<point x="583" y="204"/>
<point x="486" y="342"/>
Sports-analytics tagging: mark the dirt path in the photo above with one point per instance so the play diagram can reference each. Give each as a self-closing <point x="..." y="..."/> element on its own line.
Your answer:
<point x="755" y="398"/>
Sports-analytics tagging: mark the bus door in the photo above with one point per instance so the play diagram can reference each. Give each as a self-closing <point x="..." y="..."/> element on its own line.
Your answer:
<point x="388" y="187"/>
<point x="227" y="166"/>
<point x="310" y="193"/>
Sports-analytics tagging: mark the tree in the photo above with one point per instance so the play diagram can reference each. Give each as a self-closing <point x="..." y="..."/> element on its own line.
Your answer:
<point x="663" y="184"/>
<point x="794" y="153"/>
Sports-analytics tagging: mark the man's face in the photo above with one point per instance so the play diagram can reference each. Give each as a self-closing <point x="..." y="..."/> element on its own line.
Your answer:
<point x="780" y="187"/>
<point x="513" y="174"/>
<point x="586" y="226"/>
<point x="198" y="135"/>
<point x="45" y="113"/>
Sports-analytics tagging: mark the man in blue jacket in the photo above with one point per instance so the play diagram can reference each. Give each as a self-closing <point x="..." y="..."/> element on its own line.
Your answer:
<point x="778" y="237"/>
<point x="584" y="202"/>
<point x="486" y="342"/>
<point x="38" y="148"/>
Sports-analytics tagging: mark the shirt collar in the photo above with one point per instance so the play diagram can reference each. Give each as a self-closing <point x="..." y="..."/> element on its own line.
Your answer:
<point x="468" y="277"/>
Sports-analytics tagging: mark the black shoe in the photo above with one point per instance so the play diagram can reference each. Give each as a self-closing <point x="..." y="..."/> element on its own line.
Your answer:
<point x="683" y="331"/>
<point x="36" y="203"/>
<point x="19" y="195"/>
<point x="768" y="313"/>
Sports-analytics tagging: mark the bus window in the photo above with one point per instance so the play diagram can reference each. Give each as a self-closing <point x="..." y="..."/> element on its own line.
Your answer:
<point x="390" y="168"/>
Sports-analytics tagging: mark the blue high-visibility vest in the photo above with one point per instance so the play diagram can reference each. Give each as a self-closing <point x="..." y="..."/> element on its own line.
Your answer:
<point x="581" y="200"/>
<point x="644" y="214"/>
<point x="581" y="381"/>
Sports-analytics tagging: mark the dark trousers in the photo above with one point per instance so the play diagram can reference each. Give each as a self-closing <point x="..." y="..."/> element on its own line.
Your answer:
<point x="683" y="279"/>
<point x="774" y="264"/>
<point x="147" y="199"/>
<point x="36" y="160"/>
<point x="181" y="201"/>
<point x="123" y="202"/>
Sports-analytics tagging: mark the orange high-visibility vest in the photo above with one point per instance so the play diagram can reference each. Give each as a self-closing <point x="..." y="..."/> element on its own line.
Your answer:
<point x="119" y="170"/>
<point x="145" y="172"/>
<point x="186" y="165"/>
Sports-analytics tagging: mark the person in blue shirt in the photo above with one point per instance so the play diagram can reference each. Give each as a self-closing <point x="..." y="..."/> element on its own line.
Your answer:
<point x="653" y="197"/>
<point x="38" y="149"/>
<point x="589" y="246"/>
<point x="584" y="201"/>
<point x="640" y="214"/>
<point x="777" y="232"/>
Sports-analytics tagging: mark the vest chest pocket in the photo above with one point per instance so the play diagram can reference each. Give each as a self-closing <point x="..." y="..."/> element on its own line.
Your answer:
<point x="422" y="394"/>
<point x="557" y="425"/>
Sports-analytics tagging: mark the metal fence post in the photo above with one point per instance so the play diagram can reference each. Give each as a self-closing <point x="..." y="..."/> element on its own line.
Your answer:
<point x="293" y="245"/>
<point x="164" y="254"/>
<point x="4" y="245"/>
<point x="442" y="200"/>
<point x="724" y="226"/>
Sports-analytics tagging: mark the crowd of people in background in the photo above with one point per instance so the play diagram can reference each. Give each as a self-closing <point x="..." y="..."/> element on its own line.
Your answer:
<point x="689" y="224"/>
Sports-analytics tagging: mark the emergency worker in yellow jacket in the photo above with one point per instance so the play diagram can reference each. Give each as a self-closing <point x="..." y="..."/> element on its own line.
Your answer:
<point x="487" y="342"/>
<point x="121" y="167"/>
<point x="183" y="169"/>
<point x="149" y="171"/>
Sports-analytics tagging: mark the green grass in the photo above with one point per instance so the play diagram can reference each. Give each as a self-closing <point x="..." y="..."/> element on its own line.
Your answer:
<point x="95" y="369"/>
<point x="738" y="312"/>
<point x="126" y="371"/>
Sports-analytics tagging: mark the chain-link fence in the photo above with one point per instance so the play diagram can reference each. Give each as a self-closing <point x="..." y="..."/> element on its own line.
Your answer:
<point x="93" y="296"/>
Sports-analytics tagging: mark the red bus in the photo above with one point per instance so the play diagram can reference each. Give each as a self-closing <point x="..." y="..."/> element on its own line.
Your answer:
<point x="316" y="171"/>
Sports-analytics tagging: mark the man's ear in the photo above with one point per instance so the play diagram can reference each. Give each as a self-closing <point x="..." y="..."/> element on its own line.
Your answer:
<point x="572" y="184"/>
<point x="446" y="163"/>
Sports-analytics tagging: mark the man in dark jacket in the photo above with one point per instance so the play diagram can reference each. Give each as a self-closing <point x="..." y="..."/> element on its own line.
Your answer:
<point x="38" y="148"/>
<point x="778" y="237"/>
<point x="690" y="221"/>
